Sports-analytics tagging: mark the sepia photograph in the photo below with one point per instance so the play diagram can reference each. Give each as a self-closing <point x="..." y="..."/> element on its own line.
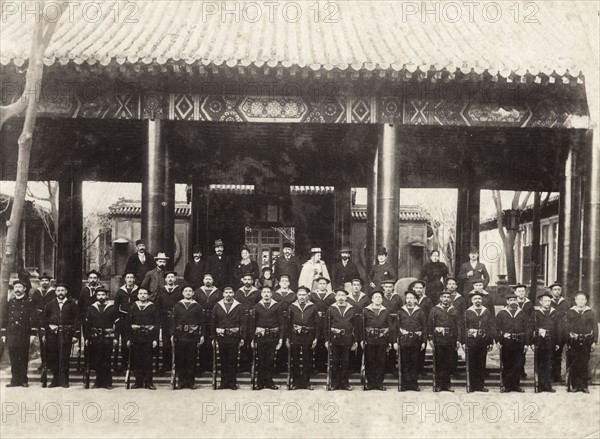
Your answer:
<point x="299" y="219"/>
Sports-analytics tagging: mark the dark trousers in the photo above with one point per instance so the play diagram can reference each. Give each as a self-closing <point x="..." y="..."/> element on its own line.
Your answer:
<point x="409" y="366"/>
<point x="578" y="358"/>
<point x="185" y="361"/>
<point x="282" y="359"/>
<point x="375" y="358"/>
<point x="320" y="357"/>
<point x="476" y="358"/>
<point x="100" y="358"/>
<point x="59" y="354"/>
<point x="557" y="364"/>
<point x="228" y="356"/>
<point x="205" y="355"/>
<point x="544" y="359"/>
<point x="141" y="362"/>
<point x="356" y="359"/>
<point x="265" y="362"/>
<point x="246" y="354"/>
<point x="301" y="360"/>
<point x="422" y="361"/>
<point x="340" y="366"/>
<point x="19" y="358"/>
<point x="124" y="350"/>
<point x="167" y="349"/>
<point x="511" y="366"/>
<point x="444" y="355"/>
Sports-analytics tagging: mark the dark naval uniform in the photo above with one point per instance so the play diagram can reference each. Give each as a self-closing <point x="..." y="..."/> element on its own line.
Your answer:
<point x="581" y="331"/>
<point x="460" y="303"/>
<point x="513" y="336"/>
<point x="322" y="301"/>
<point x="285" y="299"/>
<point x="86" y="298"/>
<point x="144" y="328"/>
<point x="411" y="334"/>
<point x="207" y="298"/>
<point x="545" y="340"/>
<point x="187" y="329"/>
<point x="359" y="302"/>
<point x="124" y="299"/>
<point x="99" y="332"/>
<point x="302" y="332"/>
<point x="478" y="334"/>
<point x="426" y="306"/>
<point x="166" y="299"/>
<point x="340" y="334"/>
<point x="18" y="328"/>
<point x="561" y="306"/>
<point x="444" y="330"/>
<point x="247" y="297"/>
<point x="60" y="323"/>
<point x="268" y="329"/>
<point x="228" y="330"/>
<point x="377" y="330"/>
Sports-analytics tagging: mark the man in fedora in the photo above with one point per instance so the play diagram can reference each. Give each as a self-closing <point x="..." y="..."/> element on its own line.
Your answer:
<point x="194" y="270"/>
<point x="140" y="263"/>
<point x="344" y="270"/>
<point x="314" y="269"/>
<point x="287" y="264"/>
<point x="155" y="278"/>
<point x="219" y="265"/>
<point x="472" y="271"/>
<point x="381" y="270"/>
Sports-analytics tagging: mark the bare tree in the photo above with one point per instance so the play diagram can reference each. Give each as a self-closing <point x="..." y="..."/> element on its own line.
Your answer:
<point x="50" y="220"/>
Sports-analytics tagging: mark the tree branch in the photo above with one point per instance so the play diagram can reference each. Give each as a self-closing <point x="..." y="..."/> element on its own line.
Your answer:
<point x="524" y="203"/>
<point x="499" y="214"/>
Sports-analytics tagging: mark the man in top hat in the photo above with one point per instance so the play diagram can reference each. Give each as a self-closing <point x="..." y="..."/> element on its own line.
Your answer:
<point x="344" y="270"/>
<point x="140" y="262"/>
<point x="301" y="338"/>
<point x="194" y="270"/>
<point x="125" y="297"/>
<point x="166" y="299"/>
<point x="381" y="270"/>
<point x="411" y="340"/>
<point x="560" y="305"/>
<point x="377" y="341"/>
<point x="39" y="299"/>
<point x="514" y="330"/>
<point x="99" y="333"/>
<point x="313" y="269"/>
<point x="472" y="271"/>
<point x="207" y="296"/>
<point x="155" y="278"/>
<point x="18" y="333"/>
<point x="60" y="328"/>
<point x="287" y="264"/>
<point x="143" y="328"/>
<point x="545" y="340"/>
<point x="247" y="296"/>
<point x="88" y="293"/>
<point x="219" y="265"/>
<point x="323" y="298"/>
<point x="340" y="339"/>
<point x="445" y="330"/>
<point x="478" y="338"/>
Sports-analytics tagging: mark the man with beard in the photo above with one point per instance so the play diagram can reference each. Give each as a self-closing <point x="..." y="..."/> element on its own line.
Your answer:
<point x="268" y="337"/>
<point x="140" y="262"/>
<point x="167" y="297"/>
<point x="344" y="270"/>
<point x="458" y="302"/>
<point x="18" y="333"/>
<point x="39" y="299"/>
<point x="143" y="339"/>
<point x="60" y="328"/>
<point x="219" y="265"/>
<point x="527" y="307"/>
<point x="207" y="296"/>
<point x="444" y="330"/>
<point x="426" y="306"/>
<point x="248" y="296"/>
<point x="486" y="298"/>
<point x="287" y="264"/>
<point x="411" y="340"/>
<point x="194" y="270"/>
<point x="125" y="297"/>
<point x="377" y="325"/>
<point x="99" y="334"/>
<point x="313" y="270"/>
<point x="155" y="278"/>
<point x="302" y="339"/>
<point x="561" y="306"/>
<point x="188" y="336"/>
<point x="513" y="335"/>
<point x="392" y="302"/>
<point x="380" y="271"/>
<point x="545" y="340"/>
<point x="229" y="334"/>
<point x="322" y="298"/>
<point x="285" y="297"/>
<point x="88" y="293"/>
<point x="478" y="338"/>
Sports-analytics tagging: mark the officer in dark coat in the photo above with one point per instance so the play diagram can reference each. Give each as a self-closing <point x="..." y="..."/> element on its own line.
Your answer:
<point x="478" y="338"/>
<point x="39" y="299"/>
<point x="545" y="340"/>
<point x="99" y="334"/>
<point x="144" y="324"/>
<point x="288" y="264"/>
<point x="140" y="263"/>
<point x="514" y="331"/>
<point x="377" y="341"/>
<point x="188" y="335"/>
<point x="60" y="328"/>
<point x="154" y="279"/>
<point x="207" y="296"/>
<point x="194" y="270"/>
<point x="18" y="333"/>
<point x="167" y="297"/>
<point x="323" y="299"/>
<point x="344" y="270"/>
<point x="561" y="306"/>
<point x="229" y="334"/>
<point x="381" y="270"/>
<point x="268" y="337"/>
<point x="340" y="339"/>
<point x="444" y="330"/>
<point x="301" y="338"/>
<point x="248" y="296"/>
<point x="125" y="297"/>
<point x="411" y="339"/>
<point x="472" y="271"/>
<point x="219" y="265"/>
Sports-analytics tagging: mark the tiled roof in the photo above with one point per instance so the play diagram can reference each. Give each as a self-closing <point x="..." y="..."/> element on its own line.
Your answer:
<point x="345" y="36"/>
<point x="407" y="213"/>
<point x="132" y="208"/>
<point x="245" y="189"/>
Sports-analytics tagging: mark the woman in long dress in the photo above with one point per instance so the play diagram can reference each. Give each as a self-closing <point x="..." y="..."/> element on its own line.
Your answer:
<point x="434" y="274"/>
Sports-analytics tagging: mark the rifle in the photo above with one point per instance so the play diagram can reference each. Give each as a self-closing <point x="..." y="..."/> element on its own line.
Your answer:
<point x="328" y="385"/>
<point x="44" y="377"/>
<point x="433" y="352"/>
<point x="536" y="384"/>
<point x="363" y="380"/>
<point x="568" y="370"/>
<point x="254" y="349"/>
<point x="467" y="359"/>
<point x="86" y="365"/>
<point x="214" y="353"/>
<point x="289" y="351"/>
<point x="79" y="345"/>
<point x="173" y="373"/>
<point x="128" y="372"/>
<point x="399" y="360"/>
<point x="502" y="389"/>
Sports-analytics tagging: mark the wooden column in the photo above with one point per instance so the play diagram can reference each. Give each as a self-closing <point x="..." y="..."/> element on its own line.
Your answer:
<point x="535" y="247"/>
<point x="591" y="221"/>
<point x="388" y="192"/>
<point x="461" y="219"/>
<point x="372" y="215"/>
<point x="200" y="232"/>
<point x="467" y="223"/>
<point x="343" y="217"/>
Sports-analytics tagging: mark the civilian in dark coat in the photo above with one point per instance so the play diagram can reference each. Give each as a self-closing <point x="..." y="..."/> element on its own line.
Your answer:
<point x="244" y="266"/>
<point x="380" y="271"/>
<point x="434" y="274"/>
<point x="140" y="262"/>
<point x="472" y="271"/>
<point x="194" y="270"/>
<point x="219" y="266"/>
<point x="287" y="264"/>
<point x="344" y="270"/>
<point x="155" y="278"/>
